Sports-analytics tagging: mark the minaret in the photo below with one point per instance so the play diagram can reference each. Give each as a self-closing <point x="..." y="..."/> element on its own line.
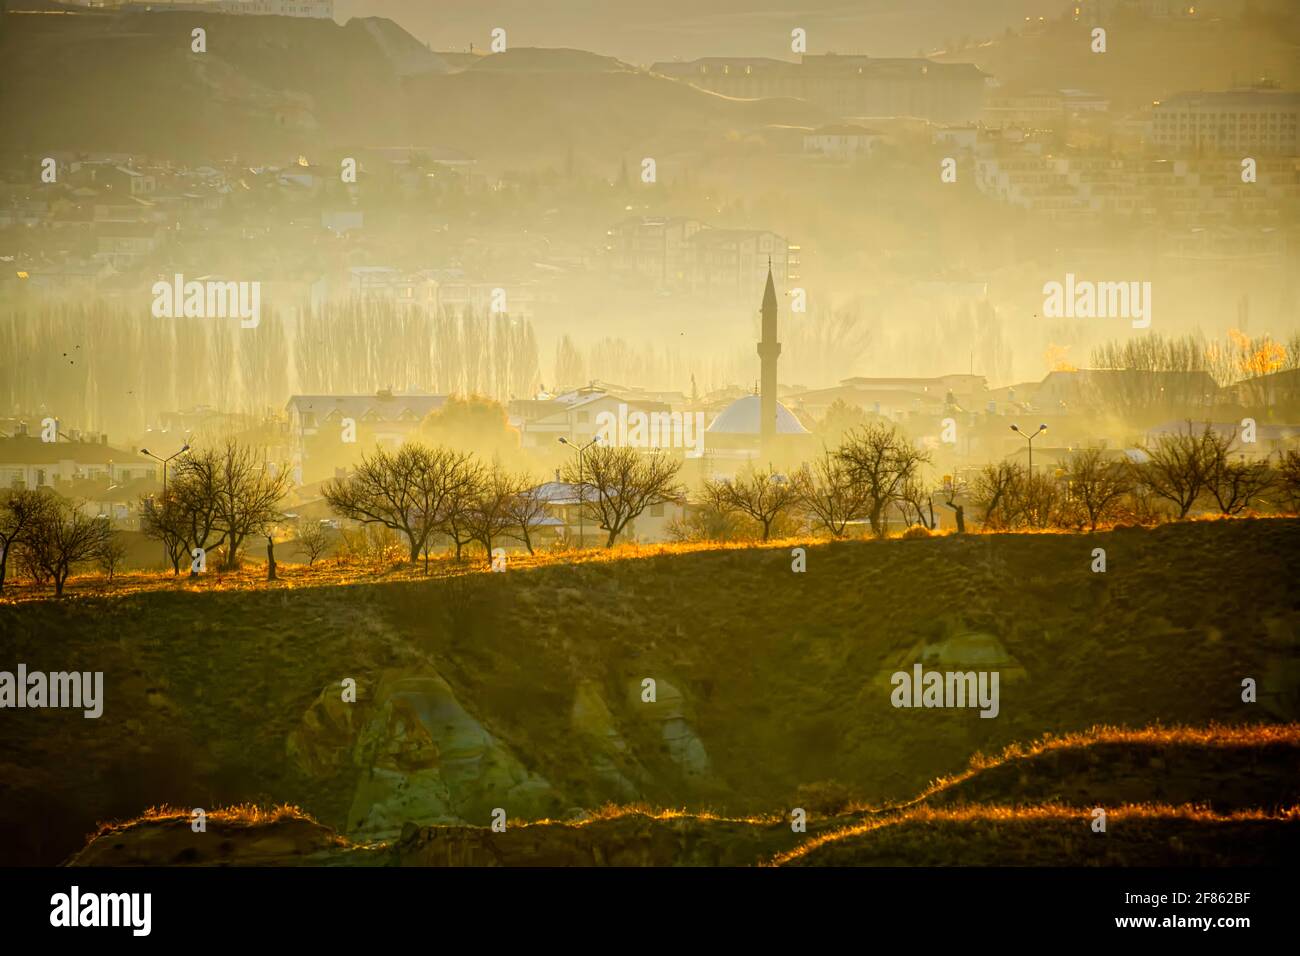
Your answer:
<point x="768" y="350"/>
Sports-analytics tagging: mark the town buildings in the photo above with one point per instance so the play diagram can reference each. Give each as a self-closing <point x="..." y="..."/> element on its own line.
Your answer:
<point x="1243" y="122"/>
<point x="845" y="84"/>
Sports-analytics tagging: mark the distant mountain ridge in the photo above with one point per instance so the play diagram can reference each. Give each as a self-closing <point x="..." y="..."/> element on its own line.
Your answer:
<point x="268" y="87"/>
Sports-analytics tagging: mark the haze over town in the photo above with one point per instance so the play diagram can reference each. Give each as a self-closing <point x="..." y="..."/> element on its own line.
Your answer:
<point x="853" y="418"/>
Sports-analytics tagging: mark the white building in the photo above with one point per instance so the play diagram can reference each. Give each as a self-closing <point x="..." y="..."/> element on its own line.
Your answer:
<point x="841" y="142"/>
<point x="28" y="462"/>
<point x="1238" y="122"/>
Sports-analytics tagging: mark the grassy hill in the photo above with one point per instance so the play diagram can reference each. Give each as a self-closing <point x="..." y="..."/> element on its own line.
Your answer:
<point x="1059" y="836"/>
<point x="524" y="689"/>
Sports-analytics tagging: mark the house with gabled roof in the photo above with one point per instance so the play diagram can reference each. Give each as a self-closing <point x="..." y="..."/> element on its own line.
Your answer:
<point x="28" y="462"/>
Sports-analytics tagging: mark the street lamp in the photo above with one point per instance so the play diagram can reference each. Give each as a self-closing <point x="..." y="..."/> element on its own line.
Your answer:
<point x="146" y="451"/>
<point x="1030" y="439"/>
<point x="582" y="497"/>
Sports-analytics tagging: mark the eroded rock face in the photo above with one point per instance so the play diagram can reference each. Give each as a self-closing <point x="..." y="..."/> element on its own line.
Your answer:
<point x="960" y="651"/>
<point x="672" y="713"/>
<point x="322" y="744"/>
<point x="419" y="755"/>
<point x="595" y="725"/>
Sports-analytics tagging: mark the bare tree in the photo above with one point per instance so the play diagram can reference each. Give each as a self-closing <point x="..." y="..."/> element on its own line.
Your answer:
<point x="64" y="537"/>
<point x="313" y="541"/>
<point x="1233" y="484"/>
<point x="406" y="491"/>
<point x="112" y="554"/>
<point x="619" y="483"/>
<point x="166" y="520"/>
<point x="710" y="518"/>
<point x="528" y="511"/>
<point x="1098" y="486"/>
<point x="453" y="516"/>
<point x="249" y="490"/>
<point x="1149" y="374"/>
<point x="1179" y="467"/>
<point x="491" y="512"/>
<point x="916" y="498"/>
<point x="762" y="495"/>
<point x="828" y="492"/>
<point x="1037" y="502"/>
<point x="189" y="508"/>
<point x="994" y="494"/>
<point x="881" y="461"/>
<point x="952" y="488"/>
<point x="20" y="511"/>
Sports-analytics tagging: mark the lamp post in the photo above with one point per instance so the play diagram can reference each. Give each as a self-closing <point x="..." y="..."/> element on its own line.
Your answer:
<point x="146" y="451"/>
<point x="582" y="497"/>
<point x="1030" y="439"/>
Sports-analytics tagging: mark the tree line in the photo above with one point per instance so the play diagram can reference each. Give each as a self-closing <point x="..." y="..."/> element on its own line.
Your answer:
<point x="108" y="366"/>
<point x="428" y="494"/>
<point x="1168" y="479"/>
<point x="219" y="497"/>
<point x="876" y="473"/>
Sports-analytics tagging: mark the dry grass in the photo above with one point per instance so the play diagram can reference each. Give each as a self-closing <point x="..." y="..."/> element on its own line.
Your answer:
<point x="611" y="811"/>
<point x="904" y="831"/>
<point x="1043" y="813"/>
<point x="240" y="814"/>
<point x="1211" y="735"/>
<point x="333" y="572"/>
<point x="337" y="572"/>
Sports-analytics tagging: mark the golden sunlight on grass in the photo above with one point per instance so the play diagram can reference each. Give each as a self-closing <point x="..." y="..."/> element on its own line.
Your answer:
<point x="336" y="572"/>
<point x="241" y="814"/>
<point x="333" y="572"/>
<point x="1044" y="813"/>
<point x="987" y="827"/>
<point x="1211" y="735"/>
<point x="616" y="812"/>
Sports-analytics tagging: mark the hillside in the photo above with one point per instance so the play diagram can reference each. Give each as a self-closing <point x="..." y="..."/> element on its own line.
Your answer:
<point x="269" y="88"/>
<point x="523" y="690"/>
<point x="643" y="33"/>
<point x="978" y="832"/>
<point x="1057" y="836"/>
<point x="1145" y="59"/>
<point x="1224" y="769"/>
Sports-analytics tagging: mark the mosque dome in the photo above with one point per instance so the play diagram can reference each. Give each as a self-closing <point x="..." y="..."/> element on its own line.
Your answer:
<point x="742" y="417"/>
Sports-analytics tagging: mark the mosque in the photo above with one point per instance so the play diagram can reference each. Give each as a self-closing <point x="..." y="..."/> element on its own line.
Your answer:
<point x="757" y="428"/>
